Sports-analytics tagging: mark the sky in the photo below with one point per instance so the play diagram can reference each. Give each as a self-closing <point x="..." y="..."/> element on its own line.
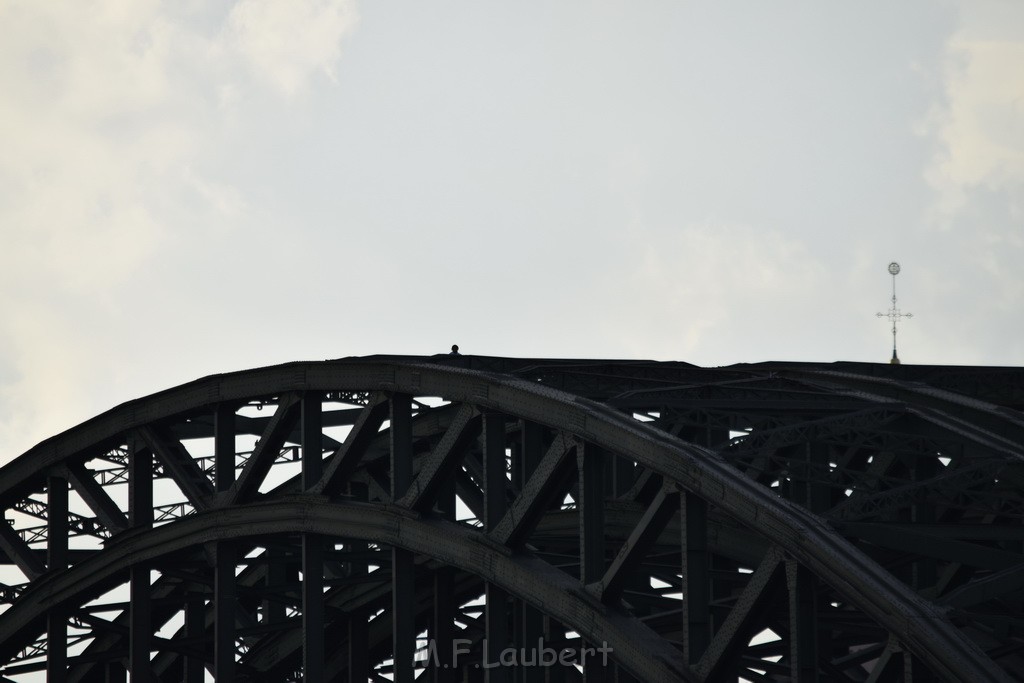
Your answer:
<point x="192" y="187"/>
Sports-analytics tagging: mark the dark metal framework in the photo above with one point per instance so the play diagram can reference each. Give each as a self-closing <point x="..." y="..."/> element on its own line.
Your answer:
<point x="363" y="519"/>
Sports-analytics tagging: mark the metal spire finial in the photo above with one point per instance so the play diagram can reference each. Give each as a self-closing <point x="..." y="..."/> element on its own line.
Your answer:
<point x="894" y="314"/>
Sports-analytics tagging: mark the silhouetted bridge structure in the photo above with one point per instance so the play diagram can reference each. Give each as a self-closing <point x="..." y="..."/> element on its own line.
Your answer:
<point x="366" y="518"/>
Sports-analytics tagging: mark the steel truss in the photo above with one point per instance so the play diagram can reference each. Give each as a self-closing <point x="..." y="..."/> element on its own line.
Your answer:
<point x="366" y="519"/>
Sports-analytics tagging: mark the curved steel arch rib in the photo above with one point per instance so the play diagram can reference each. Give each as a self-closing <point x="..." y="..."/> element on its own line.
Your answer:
<point x="521" y="574"/>
<point x="411" y="458"/>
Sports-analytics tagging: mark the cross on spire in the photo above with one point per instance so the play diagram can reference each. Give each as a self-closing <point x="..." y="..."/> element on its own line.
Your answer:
<point x="894" y="314"/>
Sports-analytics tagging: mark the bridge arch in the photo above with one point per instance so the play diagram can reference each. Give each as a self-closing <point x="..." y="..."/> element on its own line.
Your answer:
<point x="580" y="522"/>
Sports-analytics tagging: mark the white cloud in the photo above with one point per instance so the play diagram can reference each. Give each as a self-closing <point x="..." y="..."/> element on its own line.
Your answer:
<point x="288" y="42"/>
<point x="111" y="122"/>
<point x="49" y="380"/>
<point x="708" y="293"/>
<point x="973" y="261"/>
<point x="90" y="128"/>
<point x="981" y="125"/>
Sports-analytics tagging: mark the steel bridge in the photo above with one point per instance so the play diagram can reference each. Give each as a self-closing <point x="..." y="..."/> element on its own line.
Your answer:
<point x="445" y="517"/>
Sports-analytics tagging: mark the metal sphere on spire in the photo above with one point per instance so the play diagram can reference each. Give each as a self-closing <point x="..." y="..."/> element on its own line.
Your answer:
<point x="894" y="314"/>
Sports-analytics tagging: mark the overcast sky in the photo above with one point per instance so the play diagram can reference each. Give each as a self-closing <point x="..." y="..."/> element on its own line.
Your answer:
<point x="191" y="187"/>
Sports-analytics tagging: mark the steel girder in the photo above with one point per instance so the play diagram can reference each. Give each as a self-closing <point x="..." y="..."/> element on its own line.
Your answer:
<point x="366" y="518"/>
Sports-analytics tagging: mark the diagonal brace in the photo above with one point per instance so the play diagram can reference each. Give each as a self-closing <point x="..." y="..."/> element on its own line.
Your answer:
<point x="464" y="427"/>
<point x="654" y="520"/>
<point x="345" y="459"/>
<point x="733" y="633"/>
<point x="19" y="552"/>
<point x="527" y="509"/>
<point x="266" y="452"/>
<point x="179" y="464"/>
<point x="107" y="511"/>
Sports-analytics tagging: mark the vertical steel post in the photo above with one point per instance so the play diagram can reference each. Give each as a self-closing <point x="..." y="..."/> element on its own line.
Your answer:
<point x="495" y="505"/>
<point x="820" y="493"/>
<point x="819" y="500"/>
<point x="798" y="456"/>
<point x="442" y="629"/>
<point x="495" y="473"/>
<point x="56" y="560"/>
<point x="555" y="639"/>
<point x="515" y="605"/>
<point x="803" y="623"/>
<point x="594" y="470"/>
<point x="696" y="577"/>
<point x="224" y="592"/>
<point x="401" y="444"/>
<point x="531" y="634"/>
<point x="195" y="631"/>
<point x="923" y="512"/>
<point x="224" y="600"/>
<point x="56" y="523"/>
<point x="277" y="576"/>
<point x="358" y="638"/>
<point x="311" y="428"/>
<point x="591" y="463"/>
<point x="140" y="514"/>
<point x="312" y="609"/>
<point x="224" y="447"/>
<point x="623" y="473"/>
<point x="114" y="672"/>
<point x="403" y="589"/>
<point x="140" y="484"/>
